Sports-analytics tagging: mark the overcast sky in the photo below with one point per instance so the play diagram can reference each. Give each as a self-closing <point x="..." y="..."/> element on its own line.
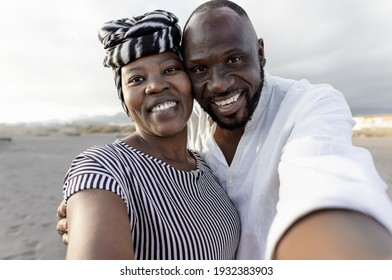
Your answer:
<point x="51" y="59"/>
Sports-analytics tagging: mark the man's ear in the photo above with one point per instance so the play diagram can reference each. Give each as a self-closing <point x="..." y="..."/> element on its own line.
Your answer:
<point x="261" y="51"/>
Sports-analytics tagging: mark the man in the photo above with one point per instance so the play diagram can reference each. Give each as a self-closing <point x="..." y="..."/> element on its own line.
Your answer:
<point x="281" y="149"/>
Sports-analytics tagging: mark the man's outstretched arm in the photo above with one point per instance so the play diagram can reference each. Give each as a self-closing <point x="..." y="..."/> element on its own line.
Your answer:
<point x="335" y="234"/>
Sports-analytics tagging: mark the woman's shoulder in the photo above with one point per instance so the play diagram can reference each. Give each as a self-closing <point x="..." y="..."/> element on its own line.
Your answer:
<point x="102" y="149"/>
<point x="200" y="162"/>
<point x="196" y="154"/>
<point x="111" y="158"/>
<point x="110" y="152"/>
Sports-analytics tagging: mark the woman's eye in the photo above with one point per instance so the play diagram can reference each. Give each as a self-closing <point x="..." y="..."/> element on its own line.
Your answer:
<point x="134" y="80"/>
<point x="171" y="69"/>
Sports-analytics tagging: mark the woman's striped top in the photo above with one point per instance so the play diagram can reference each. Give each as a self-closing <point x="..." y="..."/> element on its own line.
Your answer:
<point x="174" y="214"/>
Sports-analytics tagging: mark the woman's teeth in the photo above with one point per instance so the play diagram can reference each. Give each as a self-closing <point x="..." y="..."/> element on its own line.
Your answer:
<point x="163" y="106"/>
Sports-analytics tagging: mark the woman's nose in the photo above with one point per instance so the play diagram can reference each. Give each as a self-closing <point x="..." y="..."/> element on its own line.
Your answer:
<point x="155" y="85"/>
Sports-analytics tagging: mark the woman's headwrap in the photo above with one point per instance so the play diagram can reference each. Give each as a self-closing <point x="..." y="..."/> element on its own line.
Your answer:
<point x="128" y="39"/>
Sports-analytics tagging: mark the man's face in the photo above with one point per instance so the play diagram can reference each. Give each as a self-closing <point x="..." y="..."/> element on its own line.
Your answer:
<point x="223" y="59"/>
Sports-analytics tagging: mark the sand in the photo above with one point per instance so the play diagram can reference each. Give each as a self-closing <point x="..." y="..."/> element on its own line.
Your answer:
<point x="31" y="175"/>
<point x="32" y="169"/>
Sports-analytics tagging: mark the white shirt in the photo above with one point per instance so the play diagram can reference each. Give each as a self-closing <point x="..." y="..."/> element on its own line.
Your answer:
<point x="295" y="156"/>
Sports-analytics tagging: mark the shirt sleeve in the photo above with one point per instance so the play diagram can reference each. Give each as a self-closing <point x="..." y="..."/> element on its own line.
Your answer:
<point x="87" y="172"/>
<point x="321" y="169"/>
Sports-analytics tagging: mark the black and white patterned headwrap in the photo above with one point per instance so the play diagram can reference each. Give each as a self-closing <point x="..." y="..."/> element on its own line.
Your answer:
<point x="128" y="39"/>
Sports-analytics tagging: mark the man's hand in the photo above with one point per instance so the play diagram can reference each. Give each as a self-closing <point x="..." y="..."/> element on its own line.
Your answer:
<point x="61" y="227"/>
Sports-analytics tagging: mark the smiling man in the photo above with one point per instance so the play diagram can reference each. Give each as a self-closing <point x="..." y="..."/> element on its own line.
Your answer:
<point x="281" y="149"/>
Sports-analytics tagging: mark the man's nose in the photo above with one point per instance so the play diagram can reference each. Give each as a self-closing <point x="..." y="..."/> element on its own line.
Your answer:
<point x="220" y="80"/>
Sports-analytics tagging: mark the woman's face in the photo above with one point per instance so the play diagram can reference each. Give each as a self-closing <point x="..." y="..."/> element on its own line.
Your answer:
<point x="157" y="93"/>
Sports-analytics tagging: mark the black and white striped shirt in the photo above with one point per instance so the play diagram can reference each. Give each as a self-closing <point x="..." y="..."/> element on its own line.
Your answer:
<point x="174" y="214"/>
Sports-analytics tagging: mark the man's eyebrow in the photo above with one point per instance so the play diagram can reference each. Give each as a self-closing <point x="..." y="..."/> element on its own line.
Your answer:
<point x="200" y="58"/>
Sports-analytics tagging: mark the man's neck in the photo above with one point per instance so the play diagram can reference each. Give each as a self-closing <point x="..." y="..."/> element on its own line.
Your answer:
<point x="227" y="140"/>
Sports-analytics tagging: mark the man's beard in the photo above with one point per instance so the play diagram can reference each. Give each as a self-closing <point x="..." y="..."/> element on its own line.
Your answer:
<point x="251" y="104"/>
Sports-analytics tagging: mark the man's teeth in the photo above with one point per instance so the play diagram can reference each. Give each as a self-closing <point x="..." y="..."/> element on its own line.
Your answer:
<point x="228" y="101"/>
<point x="163" y="106"/>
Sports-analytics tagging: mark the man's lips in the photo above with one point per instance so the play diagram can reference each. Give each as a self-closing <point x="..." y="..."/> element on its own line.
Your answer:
<point x="229" y="105"/>
<point x="228" y="101"/>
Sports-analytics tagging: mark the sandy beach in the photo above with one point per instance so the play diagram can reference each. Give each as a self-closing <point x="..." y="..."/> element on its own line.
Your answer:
<point x="31" y="174"/>
<point x="32" y="169"/>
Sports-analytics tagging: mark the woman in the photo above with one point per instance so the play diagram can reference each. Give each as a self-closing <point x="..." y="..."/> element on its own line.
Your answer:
<point x="147" y="196"/>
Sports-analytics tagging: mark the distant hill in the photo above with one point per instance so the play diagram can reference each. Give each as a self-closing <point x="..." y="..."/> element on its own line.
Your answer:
<point x="359" y="111"/>
<point x="372" y="125"/>
<point x="117" y="123"/>
<point x="118" y="119"/>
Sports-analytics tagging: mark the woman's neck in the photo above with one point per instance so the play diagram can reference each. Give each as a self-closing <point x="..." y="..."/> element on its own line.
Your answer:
<point x="172" y="150"/>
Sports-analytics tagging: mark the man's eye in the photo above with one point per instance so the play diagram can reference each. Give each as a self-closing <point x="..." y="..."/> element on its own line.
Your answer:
<point x="199" y="69"/>
<point x="234" y="59"/>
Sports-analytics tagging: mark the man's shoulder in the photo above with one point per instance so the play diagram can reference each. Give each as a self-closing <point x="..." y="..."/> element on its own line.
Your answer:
<point x="302" y="85"/>
<point x="303" y="89"/>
